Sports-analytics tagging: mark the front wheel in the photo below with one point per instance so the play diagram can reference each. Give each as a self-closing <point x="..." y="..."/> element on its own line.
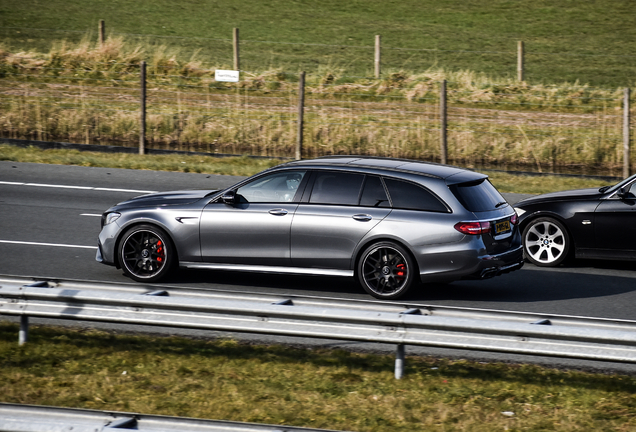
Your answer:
<point x="546" y="242"/>
<point x="146" y="253"/>
<point x="386" y="270"/>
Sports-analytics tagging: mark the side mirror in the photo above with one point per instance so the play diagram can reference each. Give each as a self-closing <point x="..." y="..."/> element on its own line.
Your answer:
<point x="229" y="197"/>
<point x="622" y="193"/>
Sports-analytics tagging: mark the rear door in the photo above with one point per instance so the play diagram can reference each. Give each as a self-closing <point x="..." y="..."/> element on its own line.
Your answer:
<point x="337" y="212"/>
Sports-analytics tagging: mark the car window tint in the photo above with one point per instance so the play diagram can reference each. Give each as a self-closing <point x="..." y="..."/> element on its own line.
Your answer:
<point x="373" y="193"/>
<point x="478" y="195"/>
<point x="278" y="187"/>
<point x="410" y="196"/>
<point x="336" y="188"/>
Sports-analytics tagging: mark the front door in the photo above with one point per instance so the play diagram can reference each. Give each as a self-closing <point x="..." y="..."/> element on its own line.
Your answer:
<point x="255" y="229"/>
<point x="615" y="225"/>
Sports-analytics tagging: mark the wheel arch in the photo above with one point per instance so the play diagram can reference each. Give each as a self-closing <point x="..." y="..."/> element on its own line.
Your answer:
<point x="139" y="222"/>
<point x="538" y="215"/>
<point x="365" y="244"/>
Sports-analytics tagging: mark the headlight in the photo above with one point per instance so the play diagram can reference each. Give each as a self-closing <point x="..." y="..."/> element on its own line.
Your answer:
<point x="111" y="217"/>
<point x="519" y="211"/>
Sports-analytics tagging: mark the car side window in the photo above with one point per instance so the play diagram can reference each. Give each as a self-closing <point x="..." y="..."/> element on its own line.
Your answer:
<point x="336" y="188"/>
<point x="410" y="196"/>
<point x="373" y="193"/>
<point x="279" y="187"/>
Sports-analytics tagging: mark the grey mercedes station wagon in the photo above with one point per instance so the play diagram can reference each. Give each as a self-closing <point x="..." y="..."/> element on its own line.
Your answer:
<point x="392" y="224"/>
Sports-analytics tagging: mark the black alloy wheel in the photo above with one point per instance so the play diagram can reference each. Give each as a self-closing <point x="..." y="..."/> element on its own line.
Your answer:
<point x="546" y="242"/>
<point x="386" y="270"/>
<point x="146" y="253"/>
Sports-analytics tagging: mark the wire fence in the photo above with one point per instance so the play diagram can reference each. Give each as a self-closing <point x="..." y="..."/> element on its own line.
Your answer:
<point x="486" y="124"/>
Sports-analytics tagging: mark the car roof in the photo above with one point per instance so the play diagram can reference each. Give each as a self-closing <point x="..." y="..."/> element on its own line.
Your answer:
<point x="450" y="174"/>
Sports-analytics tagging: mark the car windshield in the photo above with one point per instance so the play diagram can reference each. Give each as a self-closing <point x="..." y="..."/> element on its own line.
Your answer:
<point x="478" y="196"/>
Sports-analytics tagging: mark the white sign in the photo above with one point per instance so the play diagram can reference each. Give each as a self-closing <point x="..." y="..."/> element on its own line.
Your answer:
<point x="226" y="75"/>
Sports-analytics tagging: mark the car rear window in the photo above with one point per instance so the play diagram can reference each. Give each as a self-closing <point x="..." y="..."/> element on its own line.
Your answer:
<point x="477" y="196"/>
<point x="410" y="196"/>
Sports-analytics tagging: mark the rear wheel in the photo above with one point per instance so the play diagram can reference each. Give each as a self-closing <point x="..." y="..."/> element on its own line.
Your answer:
<point x="386" y="270"/>
<point x="146" y="253"/>
<point x="546" y="242"/>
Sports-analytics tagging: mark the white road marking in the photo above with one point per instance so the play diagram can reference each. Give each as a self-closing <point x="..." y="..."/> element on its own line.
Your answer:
<point x="90" y="214"/>
<point x="47" y="244"/>
<point x="76" y="187"/>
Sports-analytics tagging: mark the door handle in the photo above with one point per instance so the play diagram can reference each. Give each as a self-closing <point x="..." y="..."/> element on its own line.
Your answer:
<point x="362" y="217"/>
<point x="278" y="212"/>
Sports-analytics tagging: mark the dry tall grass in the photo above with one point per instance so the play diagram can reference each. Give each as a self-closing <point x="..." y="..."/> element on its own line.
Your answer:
<point x="89" y="93"/>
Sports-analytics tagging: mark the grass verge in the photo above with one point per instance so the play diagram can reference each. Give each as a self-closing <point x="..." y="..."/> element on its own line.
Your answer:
<point x="244" y="166"/>
<point x="320" y="388"/>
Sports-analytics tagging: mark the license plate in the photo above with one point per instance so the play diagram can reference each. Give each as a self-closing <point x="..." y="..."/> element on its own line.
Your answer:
<point x="502" y="227"/>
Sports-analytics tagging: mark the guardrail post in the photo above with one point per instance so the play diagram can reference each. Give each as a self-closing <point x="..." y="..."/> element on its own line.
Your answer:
<point x="23" y="335"/>
<point x="399" y="362"/>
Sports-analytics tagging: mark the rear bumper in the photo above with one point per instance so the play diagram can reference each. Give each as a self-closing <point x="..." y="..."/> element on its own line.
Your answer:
<point x="495" y="265"/>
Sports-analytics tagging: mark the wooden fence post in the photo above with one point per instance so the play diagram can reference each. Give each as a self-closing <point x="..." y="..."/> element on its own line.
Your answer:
<point x="142" y="119"/>
<point x="377" y="56"/>
<point x="102" y="32"/>
<point x="520" y="58"/>
<point x="626" y="134"/>
<point x="236" y="48"/>
<point x="301" y="113"/>
<point x="443" y="123"/>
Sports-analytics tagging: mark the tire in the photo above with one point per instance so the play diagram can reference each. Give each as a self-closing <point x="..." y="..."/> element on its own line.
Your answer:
<point x="386" y="270"/>
<point x="546" y="242"/>
<point x="146" y="253"/>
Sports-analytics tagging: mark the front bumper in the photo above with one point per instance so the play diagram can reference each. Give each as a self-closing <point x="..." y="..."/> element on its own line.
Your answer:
<point x="106" y="242"/>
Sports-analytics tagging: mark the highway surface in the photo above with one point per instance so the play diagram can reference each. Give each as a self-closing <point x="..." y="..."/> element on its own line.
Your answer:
<point x="50" y="219"/>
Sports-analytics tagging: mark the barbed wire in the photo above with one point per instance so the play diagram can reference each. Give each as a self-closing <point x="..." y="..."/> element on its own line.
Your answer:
<point x="310" y="92"/>
<point x="327" y="103"/>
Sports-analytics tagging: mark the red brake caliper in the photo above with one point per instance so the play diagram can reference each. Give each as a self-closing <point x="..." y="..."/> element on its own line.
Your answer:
<point x="159" y="251"/>
<point x="402" y="267"/>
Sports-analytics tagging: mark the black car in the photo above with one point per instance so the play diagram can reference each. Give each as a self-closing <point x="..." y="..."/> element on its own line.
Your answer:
<point x="586" y="223"/>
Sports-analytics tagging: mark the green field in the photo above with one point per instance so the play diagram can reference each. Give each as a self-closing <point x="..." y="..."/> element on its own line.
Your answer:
<point x="319" y="387"/>
<point x="590" y="42"/>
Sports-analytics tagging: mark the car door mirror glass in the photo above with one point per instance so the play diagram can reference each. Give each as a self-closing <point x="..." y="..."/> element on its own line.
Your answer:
<point x="229" y="197"/>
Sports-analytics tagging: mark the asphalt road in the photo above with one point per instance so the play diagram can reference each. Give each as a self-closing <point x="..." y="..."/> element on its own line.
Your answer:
<point x="49" y="222"/>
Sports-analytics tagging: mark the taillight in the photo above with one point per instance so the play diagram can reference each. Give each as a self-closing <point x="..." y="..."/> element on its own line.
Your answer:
<point x="473" y="228"/>
<point x="514" y="219"/>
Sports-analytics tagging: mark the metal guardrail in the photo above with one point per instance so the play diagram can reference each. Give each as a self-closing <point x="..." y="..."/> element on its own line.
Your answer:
<point x="31" y="418"/>
<point x="363" y="321"/>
